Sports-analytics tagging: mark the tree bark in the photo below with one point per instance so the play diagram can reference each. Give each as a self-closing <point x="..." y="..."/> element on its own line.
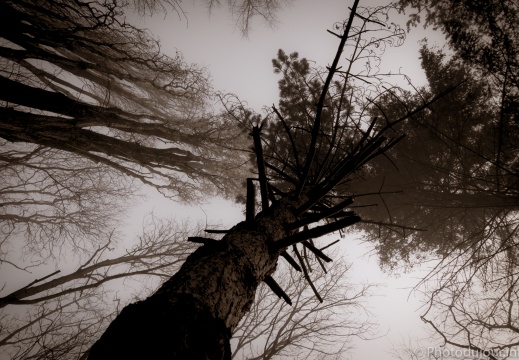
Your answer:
<point x="194" y="313"/>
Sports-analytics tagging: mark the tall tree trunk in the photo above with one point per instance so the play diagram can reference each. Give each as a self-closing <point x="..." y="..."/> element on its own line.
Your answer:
<point x="194" y="313"/>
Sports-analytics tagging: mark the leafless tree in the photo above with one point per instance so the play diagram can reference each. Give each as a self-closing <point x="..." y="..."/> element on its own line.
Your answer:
<point x="76" y="77"/>
<point x="473" y="295"/>
<point x="243" y="12"/>
<point x="60" y="316"/>
<point x="306" y="329"/>
<point x="52" y="201"/>
<point x="471" y="303"/>
<point x="91" y="109"/>
<point x="60" y="329"/>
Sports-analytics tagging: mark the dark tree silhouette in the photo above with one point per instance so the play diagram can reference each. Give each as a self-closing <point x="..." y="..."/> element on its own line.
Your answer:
<point x="61" y="314"/>
<point x="483" y="33"/>
<point x="91" y="109"/>
<point x="451" y="179"/>
<point x="243" y="12"/>
<point x="306" y="329"/>
<point x="194" y="314"/>
<point x="77" y="78"/>
<point x="452" y="186"/>
<point x="51" y="200"/>
<point x="157" y="251"/>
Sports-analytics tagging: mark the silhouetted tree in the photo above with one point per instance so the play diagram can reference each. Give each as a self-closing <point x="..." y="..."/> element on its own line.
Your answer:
<point x="77" y="78"/>
<point x="90" y="108"/>
<point x="472" y="301"/>
<point x="243" y="12"/>
<point x="60" y="329"/>
<point x="60" y="316"/>
<point x="52" y="201"/>
<point x="445" y="185"/>
<point x="306" y="329"/>
<point x="445" y="190"/>
<point x="485" y="35"/>
<point x="452" y="186"/>
<point x="194" y="314"/>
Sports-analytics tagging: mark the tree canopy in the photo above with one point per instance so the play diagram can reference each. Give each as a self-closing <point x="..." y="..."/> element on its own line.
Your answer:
<point x="92" y="109"/>
<point x="451" y="188"/>
<point x="484" y="35"/>
<point x="451" y="178"/>
<point x="77" y="78"/>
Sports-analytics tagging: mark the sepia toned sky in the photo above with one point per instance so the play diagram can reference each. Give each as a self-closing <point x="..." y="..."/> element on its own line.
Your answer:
<point x="242" y="65"/>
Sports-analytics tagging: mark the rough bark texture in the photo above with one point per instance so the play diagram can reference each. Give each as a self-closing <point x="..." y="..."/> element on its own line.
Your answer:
<point x="212" y="291"/>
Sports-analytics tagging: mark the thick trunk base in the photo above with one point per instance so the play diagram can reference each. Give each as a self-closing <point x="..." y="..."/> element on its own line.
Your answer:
<point x="142" y="330"/>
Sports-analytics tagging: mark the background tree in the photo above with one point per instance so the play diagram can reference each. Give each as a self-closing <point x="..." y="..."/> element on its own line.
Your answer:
<point x="52" y="202"/>
<point x="473" y="304"/>
<point x="452" y="185"/>
<point x="90" y="108"/>
<point x="484" y="35"/>
<point x="243" y="12"/>
<point x="443" y="185"/>
<point x="60" y="316"/>
<point x="443" y="191"/>
<point x="306" y="329"/>
<point x="61" y="329"/>
<point x="77" y="78"/>
<point x="195" y="312"/>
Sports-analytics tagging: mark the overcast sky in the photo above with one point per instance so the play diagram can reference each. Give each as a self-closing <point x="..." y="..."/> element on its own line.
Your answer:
<point x="243" y="66"/>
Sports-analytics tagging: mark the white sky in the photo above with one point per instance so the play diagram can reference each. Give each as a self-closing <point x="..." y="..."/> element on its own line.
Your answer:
<point x="243" y="66"/>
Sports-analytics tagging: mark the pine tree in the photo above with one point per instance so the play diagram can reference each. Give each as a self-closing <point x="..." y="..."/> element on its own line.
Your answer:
<point x="194" y="314"/>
